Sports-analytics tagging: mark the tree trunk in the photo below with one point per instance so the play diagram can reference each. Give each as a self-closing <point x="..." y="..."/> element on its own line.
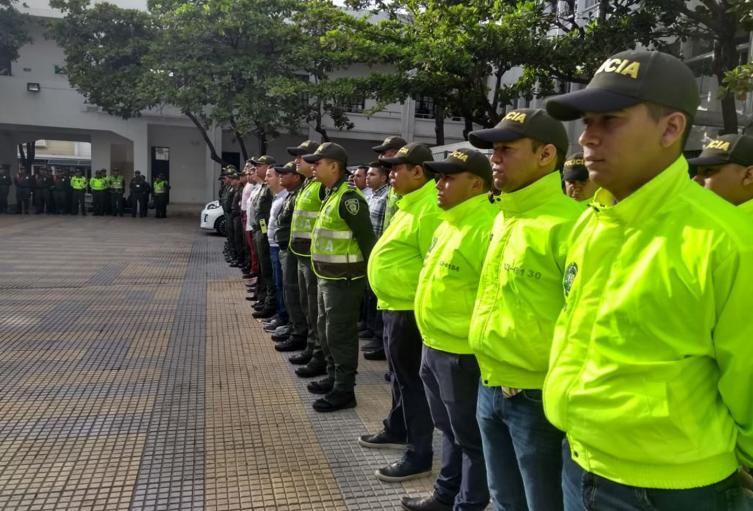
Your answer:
<point x="468" y="118"/>
<point x="439" y="123"/>
<point x="262" y="136"/>
<point x="725" y="59"/>
<point x="203" y="130"/>
<point x="244" y="150"/>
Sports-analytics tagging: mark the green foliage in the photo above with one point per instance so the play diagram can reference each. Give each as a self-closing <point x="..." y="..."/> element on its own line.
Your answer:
<point x="13" y="29"/>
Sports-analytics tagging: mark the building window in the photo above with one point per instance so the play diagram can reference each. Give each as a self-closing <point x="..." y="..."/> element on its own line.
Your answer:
<point x="355" y="104"/>
<point x="424" y="107"/>
<point x="59" y="70"/>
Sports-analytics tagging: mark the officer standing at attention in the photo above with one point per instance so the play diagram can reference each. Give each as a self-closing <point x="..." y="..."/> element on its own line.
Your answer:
<point x="139" y="195"/>
<point x="24" y="185"/>
<point x="5" y="183"/>
<point x="308" y="203"/>
<point x="43" y="185"/>
<point x="116" y="184"/>
<point x="59" y="183"/>
<point x="445" y="295"/>
<point x="78" y="193"/>
<point x="650" y="369"/>
<point x="393" y="270"/>
<point x="388" y="149"/>
<point x="226" y="192"/>
<point x="160" y="189"/>
<point x="340" y="246"/>
<point x="726" y="166"/>
<point x="578" y="185"/>
<point x="518" y="300"/>
<point x="261" y="204"/>
<point x="98" y="184"/>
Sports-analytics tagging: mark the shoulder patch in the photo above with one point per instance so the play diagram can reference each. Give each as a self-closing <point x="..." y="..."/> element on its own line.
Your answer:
<point x="570" y="272"/>
<point x="353" y="206"/>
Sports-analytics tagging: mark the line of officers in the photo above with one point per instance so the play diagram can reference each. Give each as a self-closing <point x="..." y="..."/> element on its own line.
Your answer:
<point x="55" y="191"/>
<point x="574" y="355"/>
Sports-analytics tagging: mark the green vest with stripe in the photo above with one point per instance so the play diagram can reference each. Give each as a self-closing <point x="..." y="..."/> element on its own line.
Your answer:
<point x="335" y="254"/>
<point x="160" y="186"/>
<point x="117" y="183"/>
<point x="307" y="206"/>
<point x="97" y="184"/>
<point x="78" y="183"/>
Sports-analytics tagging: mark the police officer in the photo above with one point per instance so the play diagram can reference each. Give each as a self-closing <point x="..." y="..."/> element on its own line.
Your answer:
<point x="139" y="195"/>
<point x="78" y="192"/>
<point x="387" y="149"/>
<point x="42" y="185"/>
<point x="653" y="342"/>
<point x="308" y="204"/>
<point x="726" y="166"/>
<point x="237" y="232"/>
<point x="98" y="184"/>
<point x="160" y="189"/>
<point x="340" y="246"/>
<point x="116" y="185"/>
<point x="445" y="294"/>
<point x="393" y="270"/>
<point x="24" y="184"/>
<point x="261" y="203"/>
<point x="518" y="300"/>
<point x="5" y="183"/>
<point x="59" y="183"/>
<point x="575" y="178"/>
<point x="291" y="181"/>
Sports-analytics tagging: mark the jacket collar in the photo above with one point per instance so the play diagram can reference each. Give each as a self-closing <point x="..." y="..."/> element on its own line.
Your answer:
<point x="746" y="207"/>
<point x="532" y="196"/>
<point x="465" y="210"/>
<point x="646" y="200"/>
<point x="406" y="201"/>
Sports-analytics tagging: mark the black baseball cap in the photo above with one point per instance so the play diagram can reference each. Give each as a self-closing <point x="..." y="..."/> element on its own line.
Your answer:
<point x="463" y="160"/>
<point x="726" y="149"/>
<point x="414" y="153"/>
<point x="328" y="150"/>
<point x="305" y="147"/>
<point x="393" y="142"/>
<point x="288" y="168"/>
<point x="627" y="79"/>
<point x="574" y="168"/>
<point x="264" y="160"/>
<point x="523" y="123"/>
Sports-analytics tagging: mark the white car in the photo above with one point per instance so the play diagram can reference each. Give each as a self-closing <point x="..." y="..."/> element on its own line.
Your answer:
<point x="213" y="218"/>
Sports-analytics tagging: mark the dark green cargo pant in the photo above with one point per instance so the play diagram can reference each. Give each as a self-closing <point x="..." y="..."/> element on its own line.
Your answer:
<point x="296" y="316"/>
<point x="308" y="290"/>
<point x="339" y="308"/>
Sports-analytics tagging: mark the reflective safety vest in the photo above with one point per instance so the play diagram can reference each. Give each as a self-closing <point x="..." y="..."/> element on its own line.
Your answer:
<point x="160" y="186"/>
<point x="335" y="253"/>
<point x="307" y="206"/>
<point x="97" y="184"/>
<point x="117" y="182"/>
<point x="746" y="207"/>
<point x="78" y="183"/>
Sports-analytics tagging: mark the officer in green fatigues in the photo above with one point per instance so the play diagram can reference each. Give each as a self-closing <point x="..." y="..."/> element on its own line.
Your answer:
<point x="340" y="246"/>
<point x="117" y="187"/>
<point x="78" y="186"/>
<point x="98" y="184"/>
<point x="308" y="203"/>
<point x="160" y="188"/>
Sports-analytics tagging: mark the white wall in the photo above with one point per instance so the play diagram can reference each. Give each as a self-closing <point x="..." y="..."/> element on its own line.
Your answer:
<point x="187" y="162"/>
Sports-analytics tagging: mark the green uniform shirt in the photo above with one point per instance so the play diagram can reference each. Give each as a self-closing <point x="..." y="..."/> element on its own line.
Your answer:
<point x="399" y="253"/>
<point x="448" y="281"/>
<point x="651" y="369"/>
<point x="520" y="290"/>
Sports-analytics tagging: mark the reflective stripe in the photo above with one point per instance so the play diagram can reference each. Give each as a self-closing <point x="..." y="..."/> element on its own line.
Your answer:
<point x="303" y="212"/>
<point x="344" y="259"/>
<point x="334" y="235"/>
<point x="301" y="235"/>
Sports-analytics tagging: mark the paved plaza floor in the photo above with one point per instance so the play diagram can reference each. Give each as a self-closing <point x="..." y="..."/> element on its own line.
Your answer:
<point x="132" y="376"/>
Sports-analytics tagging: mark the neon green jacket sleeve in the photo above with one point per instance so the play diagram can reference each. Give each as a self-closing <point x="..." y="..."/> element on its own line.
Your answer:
<point x="651" y="369"/>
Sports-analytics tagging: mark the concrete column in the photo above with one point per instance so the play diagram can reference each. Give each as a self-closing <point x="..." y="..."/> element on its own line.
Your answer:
<point x="101" y="151"/>
<point x="212" y="168"/>
<point x="8" y="152"/>
<point x="408" y="118"/>
<point x="141" y="152"/>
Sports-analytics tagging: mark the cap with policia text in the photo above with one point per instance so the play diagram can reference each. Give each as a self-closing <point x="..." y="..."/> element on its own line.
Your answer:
<point x="627" y="79"/>
<point x="264" y="160"/>
<point x="227" y="171"/>
<point x="575" y="168"/>
<point x="390" y="143"/>
<point x="463" y="160"/>
<point x="305" y="147"/>
<point x="523" y="123"/>
<point x="726" y="149"/>
<point x="288" y="168"/>
<point x="414" y="153"/>
<point x="330" y="151"/>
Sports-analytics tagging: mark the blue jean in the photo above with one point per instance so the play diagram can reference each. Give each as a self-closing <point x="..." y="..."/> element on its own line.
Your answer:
<point x="282" y="313"/>
<point x="523" y="451"/>
<point x="451" y="385"/>
<point x="584" y="491"/>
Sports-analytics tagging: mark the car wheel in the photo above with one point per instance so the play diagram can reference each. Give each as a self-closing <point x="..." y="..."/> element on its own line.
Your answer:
<point x="219" y="226"/>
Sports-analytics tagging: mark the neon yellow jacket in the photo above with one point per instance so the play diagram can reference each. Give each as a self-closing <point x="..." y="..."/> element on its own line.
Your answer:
<point x="448" y="281"/>
<point x="651" y="369"/>
<point x="520" y="291"/>
<point x="399" y="253"/>
<point x="746" y="207"/>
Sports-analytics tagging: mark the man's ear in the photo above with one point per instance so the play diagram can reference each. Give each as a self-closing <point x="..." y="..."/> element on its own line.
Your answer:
<point x="674" y="128"/>
<point x="747" y="177"/>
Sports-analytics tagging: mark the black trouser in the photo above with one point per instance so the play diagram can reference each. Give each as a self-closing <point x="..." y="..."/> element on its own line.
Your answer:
<point x="43" y="201"/>
<point x="139" y="202"/>
<point x="160" y="205"/>
<point x="116" y="202"/>
<point x="23" y="198"/>
<point x="4" y="199"/>
<point x="451" y="385"/>
<point x="68" y="200"/>
<point x="79" y="199"/>
<point x="404" y="346"/>
<point x="266" y="287"/>
<point x="238" y="241"/>
<point x="308" y="289"/>
<point x="98" y="196"/>
<point x="58" y="200"/>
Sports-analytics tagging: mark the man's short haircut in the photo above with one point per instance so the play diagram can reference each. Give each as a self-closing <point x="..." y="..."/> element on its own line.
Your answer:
<point x="561" y="155"/>
<point x="657" y="112"/>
